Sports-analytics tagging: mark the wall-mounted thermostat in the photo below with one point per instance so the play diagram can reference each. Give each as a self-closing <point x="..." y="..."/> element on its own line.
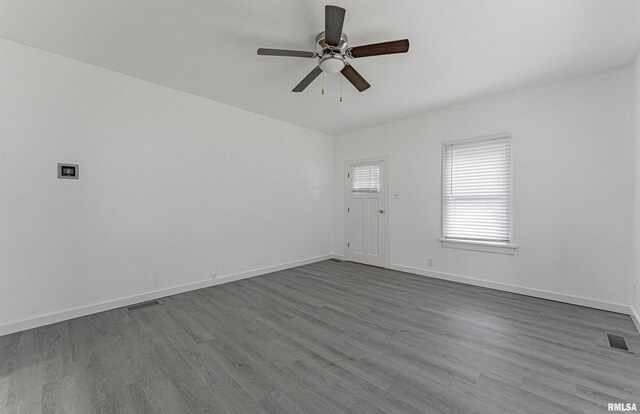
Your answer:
<point x="68" y="171"/>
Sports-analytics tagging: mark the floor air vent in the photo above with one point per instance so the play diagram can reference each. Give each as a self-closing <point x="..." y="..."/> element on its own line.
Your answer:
<point x="618" y="342"/>
<point x="142" y="305"/>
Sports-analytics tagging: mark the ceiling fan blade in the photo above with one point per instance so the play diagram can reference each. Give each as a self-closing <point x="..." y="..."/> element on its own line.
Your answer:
<point x="283" y="52"/>
<point x="355" y="78"/>
<point x="333" y="21"/>
<point x="307" y="80"/>
<point x="376" y="49"/>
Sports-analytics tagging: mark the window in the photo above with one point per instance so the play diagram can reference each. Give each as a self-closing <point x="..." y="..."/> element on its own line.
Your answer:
<point x="366" y="178"/>
<point x="476" y="191"/>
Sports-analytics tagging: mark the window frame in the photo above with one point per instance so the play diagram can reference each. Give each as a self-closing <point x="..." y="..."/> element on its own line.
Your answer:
<point x="508" y="247"/>
<point x="361" y="164"/>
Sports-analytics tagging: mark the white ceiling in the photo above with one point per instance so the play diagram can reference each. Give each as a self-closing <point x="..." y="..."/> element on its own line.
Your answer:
<point x="460" y="49"/>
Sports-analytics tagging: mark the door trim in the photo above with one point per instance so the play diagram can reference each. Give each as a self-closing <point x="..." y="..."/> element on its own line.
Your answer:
<point x="387" y="205"/>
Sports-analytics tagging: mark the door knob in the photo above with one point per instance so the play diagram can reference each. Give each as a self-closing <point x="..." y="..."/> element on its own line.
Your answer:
<point x="380" y="211"/>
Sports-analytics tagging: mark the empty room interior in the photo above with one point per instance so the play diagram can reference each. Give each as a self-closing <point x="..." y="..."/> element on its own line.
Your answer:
<point x="286" y="206"/>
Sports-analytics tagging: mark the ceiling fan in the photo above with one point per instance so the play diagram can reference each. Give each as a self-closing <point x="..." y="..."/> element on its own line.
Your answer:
<point x="333" y="51"/>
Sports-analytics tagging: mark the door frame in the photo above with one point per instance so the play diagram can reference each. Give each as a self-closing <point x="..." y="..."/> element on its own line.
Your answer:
<point x="385" y="200"/>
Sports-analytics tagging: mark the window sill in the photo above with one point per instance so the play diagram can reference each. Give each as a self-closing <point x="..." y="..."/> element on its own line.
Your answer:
<point x="503" y="248"/>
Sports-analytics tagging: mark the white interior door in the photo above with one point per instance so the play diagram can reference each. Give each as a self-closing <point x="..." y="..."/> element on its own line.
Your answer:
<point x="366" y="212"/>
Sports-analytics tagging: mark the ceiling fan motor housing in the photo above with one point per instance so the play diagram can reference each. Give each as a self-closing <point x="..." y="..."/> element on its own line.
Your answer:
<point x="332" y="58"/>
<point x="321" y="45"/>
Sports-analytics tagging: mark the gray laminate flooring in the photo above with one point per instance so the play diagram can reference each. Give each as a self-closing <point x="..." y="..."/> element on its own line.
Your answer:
<point x="326" y="338"/>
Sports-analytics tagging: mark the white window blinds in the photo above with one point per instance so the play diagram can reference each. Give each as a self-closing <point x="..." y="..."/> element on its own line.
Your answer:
<point x="477" y="190"/>
<point x="366" y="178"/>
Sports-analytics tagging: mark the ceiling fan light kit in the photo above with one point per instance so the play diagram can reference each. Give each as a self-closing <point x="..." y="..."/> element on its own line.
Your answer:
<point x="333" y="52"/>
<point x="332" y="64"/>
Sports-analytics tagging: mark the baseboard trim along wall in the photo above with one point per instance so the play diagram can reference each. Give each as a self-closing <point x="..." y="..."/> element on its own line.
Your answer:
<point x="543" y="294"/>
<point x="77" y="312"/>
<point x="72" y="313"/>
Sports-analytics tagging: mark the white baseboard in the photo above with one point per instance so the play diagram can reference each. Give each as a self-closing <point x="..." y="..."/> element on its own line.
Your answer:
<point x="72" y="313"/>
<point x="574" y="300"/>
<point x="635" y="317"/>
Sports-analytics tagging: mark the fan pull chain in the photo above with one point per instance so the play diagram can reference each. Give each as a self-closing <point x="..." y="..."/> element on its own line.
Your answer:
<point x="340" y="89"/>
<point x="322" y="83"/>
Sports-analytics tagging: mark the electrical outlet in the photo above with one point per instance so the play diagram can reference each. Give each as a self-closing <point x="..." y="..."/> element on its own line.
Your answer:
<point x="396" y="196"/>
<point x="430" y="261"/>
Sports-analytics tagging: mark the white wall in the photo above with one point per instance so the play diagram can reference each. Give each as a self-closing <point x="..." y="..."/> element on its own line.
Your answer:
<point x="635" y="291"/>
<point x="172" y="188"/>
<point x="573" y="149"/>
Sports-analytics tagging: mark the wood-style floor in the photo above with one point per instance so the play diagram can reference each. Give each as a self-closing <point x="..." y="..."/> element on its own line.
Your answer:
<point x="326" y="338"/>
